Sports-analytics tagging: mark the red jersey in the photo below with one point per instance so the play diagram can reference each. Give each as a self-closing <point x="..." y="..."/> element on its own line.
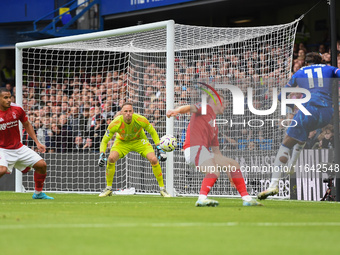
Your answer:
<point x="202" y="129"/>
<point x="9" y="126"/>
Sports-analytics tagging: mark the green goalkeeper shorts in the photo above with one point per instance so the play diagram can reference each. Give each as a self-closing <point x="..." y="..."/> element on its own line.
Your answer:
<point x="142" y="146"/>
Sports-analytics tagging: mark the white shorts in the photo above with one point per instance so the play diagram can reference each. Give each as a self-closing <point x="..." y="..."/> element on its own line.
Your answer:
<point x="19" y="158"/>
<point x="196" y="155"/>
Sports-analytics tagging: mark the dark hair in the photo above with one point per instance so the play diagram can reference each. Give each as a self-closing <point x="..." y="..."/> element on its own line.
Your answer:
<point x="313" y="58"/>
<point x="126" y="103"/>
<point x="3" y="89"/>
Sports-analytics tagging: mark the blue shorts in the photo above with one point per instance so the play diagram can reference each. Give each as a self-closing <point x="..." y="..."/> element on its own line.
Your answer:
<point x="321" y="116"/>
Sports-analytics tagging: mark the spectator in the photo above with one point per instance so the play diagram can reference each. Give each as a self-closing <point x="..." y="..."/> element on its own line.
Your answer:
<point x="44" y="133"/>
<point x="159" y="121"/>
<point x="89" y="135"/>
<point x="108" y="113"/>
<point x="322" y="49"/>
<point x="99" y="126"/>
<point x="66" y="133"/>
<point x="88" y="146"/>
<point x="312" y="140"/>
<point x="76" y="121"/>
<point x="57" y="139"/>
<point x="326" y="138"/>
<point x="8" y="73"/>
<point x="78" y="144"/>
<point x="9" y="87"/>
<point x="64" y="107"/>
<point x="326" y="58"/>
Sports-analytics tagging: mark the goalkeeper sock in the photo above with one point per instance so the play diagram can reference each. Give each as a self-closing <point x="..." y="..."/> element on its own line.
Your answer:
<point x="39" y="180"/>
<point x="238" y="180"/>
<point x="157" y="171"/>
<point x="207" y="183"/>
<point x="110" y="172"/>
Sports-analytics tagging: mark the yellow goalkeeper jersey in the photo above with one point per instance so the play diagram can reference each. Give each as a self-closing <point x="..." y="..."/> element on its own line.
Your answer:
<point x="129" y="132"/>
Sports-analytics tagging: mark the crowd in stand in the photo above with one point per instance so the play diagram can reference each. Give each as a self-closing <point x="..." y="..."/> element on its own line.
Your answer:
<point x="71" y="115"/>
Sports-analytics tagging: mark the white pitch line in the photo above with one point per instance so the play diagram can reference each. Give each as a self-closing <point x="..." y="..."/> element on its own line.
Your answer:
<point x="175" y="225"/>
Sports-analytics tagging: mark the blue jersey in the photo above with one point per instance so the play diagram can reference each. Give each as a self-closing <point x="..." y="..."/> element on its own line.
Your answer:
<point x="318" y="80"/>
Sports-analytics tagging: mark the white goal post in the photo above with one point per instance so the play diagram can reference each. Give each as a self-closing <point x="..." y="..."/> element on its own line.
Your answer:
<point x="72" y="86"/>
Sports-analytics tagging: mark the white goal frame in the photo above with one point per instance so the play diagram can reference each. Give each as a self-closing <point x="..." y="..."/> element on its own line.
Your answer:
<point x="188" y="55"/>
<point x="169" y="25"/>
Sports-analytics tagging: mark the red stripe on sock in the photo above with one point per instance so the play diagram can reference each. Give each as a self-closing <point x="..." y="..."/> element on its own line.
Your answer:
<point x="39" y="180"/>
<point x="207" y="183"/>
<point x="238" y="180"/>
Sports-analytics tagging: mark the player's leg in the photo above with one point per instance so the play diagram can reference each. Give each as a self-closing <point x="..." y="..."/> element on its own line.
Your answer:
<point x="27" y="159"/>
<point x="157" y="171"/>
<point x="296" y="151"/>
<point x="3" y="170"/>
<point x="39" y="179"/>
<point x="203" y="160"/>
<point x="295" y="134"/>
<point x="233" y="170"/>
<point x="280" y="162"/>
<point x="209" y="180"/>
<point x="145" y="149"/>
<point x="115" y="153"/>
<point x="3" y="163"/>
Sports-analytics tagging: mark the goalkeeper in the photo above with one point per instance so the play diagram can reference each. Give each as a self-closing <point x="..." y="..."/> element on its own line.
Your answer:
<point x="129" y="127"/>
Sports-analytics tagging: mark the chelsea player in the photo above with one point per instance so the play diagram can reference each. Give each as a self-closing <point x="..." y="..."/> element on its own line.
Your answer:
<point x="317" y="78"/>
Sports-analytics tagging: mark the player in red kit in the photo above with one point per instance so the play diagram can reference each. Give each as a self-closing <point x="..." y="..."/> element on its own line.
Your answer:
<point x="201" y="150"/>
<point x="12" y="152"/>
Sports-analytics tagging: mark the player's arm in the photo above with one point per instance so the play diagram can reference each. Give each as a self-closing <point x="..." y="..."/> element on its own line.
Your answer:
<point x="161" y="156"/>
<point x="110" y="132"/>
<point x="181" y="110"/>
<point x="152" y="131"/>
<point x="30" y="131"/>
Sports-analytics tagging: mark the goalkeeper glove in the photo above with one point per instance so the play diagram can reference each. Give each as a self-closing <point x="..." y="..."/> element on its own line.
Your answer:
<point x="161" y="156"/>
<point x="102" y="160"/>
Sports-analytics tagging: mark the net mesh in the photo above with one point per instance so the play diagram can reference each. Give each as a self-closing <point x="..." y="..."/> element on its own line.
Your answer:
<point x="71" y="91"/>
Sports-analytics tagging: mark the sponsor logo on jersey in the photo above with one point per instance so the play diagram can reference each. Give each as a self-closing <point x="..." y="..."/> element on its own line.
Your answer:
<point x="8" y="125"/>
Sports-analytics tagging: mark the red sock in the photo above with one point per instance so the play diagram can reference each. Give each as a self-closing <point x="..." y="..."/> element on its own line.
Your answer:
<point x="239" y="182"/>
<point x="207" y="183"/>
<point x="39" y="180"/>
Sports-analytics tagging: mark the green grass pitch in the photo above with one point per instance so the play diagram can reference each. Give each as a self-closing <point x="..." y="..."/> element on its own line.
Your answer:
<point x="86" y="224"/>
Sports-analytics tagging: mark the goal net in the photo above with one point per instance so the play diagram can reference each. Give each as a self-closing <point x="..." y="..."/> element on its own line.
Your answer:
<point x="72" y="87"/>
